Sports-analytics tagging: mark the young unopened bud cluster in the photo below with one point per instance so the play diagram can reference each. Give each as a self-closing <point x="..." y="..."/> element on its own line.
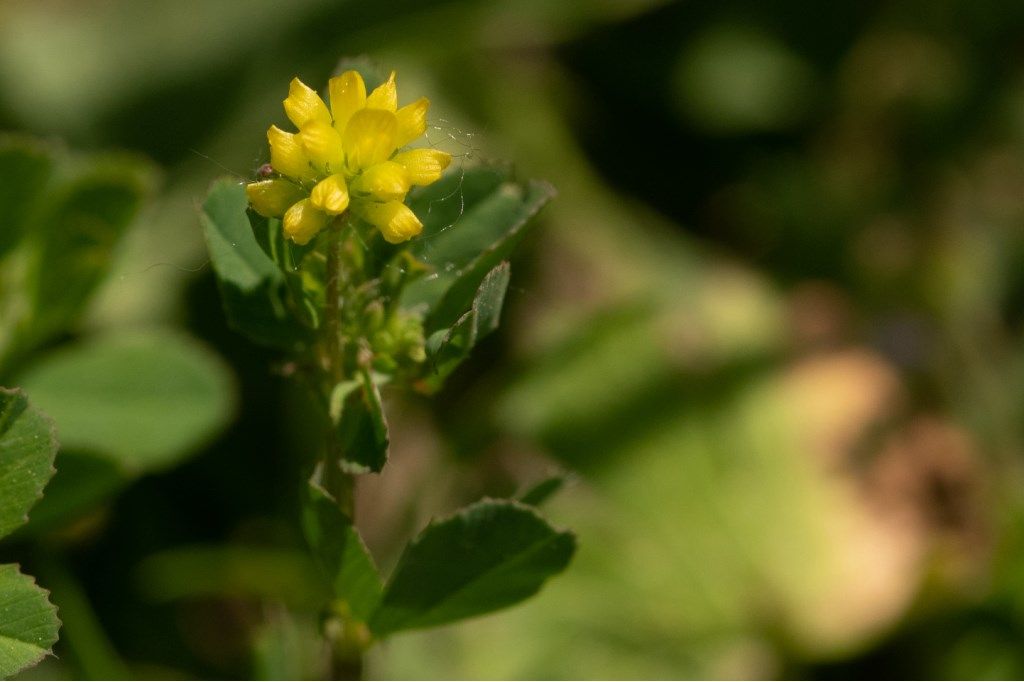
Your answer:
<point x="396" y="339"/>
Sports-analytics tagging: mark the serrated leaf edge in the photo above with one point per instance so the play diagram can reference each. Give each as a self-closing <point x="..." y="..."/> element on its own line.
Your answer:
<point x="51" y="432"/>
<point x="51" y="607"/>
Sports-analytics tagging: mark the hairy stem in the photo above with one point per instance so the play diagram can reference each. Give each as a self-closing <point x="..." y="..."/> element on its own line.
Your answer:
<point x="346" y="659"/>
<point x="336" y="481"/>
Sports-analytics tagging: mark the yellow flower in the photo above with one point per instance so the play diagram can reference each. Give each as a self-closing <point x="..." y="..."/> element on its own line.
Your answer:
<point x="345" y="157"/>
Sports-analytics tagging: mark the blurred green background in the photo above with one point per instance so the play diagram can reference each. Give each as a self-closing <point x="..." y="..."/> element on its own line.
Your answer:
<point x="773" y="322"/>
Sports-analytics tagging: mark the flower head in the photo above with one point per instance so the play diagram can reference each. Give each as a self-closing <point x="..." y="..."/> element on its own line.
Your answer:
<point x="346" y="157"/>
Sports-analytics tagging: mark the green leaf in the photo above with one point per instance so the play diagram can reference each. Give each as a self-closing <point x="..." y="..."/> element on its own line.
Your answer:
<point x="28" y="444"/>
<point x="252" y="287"/>
<point x="441" y="205"/>
<point x="28" y="621"/>
<point x="449" y="347"/>
<point x="469" y="228"/>
<point x="25" y="166"/>
<point x="486" y="557"/>
<point x="362" y="430"/>
<point x="487" y="301"/>
<point x="143" y="400"/>
<point x="82" y="224"/>
<point x="299" y="283"/>
<point x="541" y="492"/>
<point x="341" y="553"/>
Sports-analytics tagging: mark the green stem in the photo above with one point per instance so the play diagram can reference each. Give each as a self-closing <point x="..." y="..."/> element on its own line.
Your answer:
<point x="337" y="482"/>
<point x="346" y="660"/>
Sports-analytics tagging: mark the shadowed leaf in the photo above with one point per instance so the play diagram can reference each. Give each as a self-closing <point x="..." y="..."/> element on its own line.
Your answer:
<point x="362" y="429"/>
<point x="488" y="556"/>
<point x="341" y="553"/>
<point x="252" y="287"/>
<point x="82" y="225"/>
<point x="481" y="218"/>
<point x="24" y="168"/>
<point x="541" y="492"/>
<point x="449" y="347"/>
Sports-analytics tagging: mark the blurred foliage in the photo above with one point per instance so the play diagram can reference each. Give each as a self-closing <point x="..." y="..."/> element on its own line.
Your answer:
<point x="773" y="320"/>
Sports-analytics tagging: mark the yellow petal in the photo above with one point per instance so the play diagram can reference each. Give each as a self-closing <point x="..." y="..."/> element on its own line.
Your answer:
<point x="395" y="220"/>
<point x="384" y="96"/>
<point x="271" y="198"/>
<point x="303" y="221"/>
<point x="384" y="182"/>
<point x="412" y="121"/>
<point x="323" y="146"/>
<point x="423" y="165"/>
<point x="369" y="138"/>
<point x="348" y="95"/>
<point x="331" y="195"/>
<point x="287" y="156"/>
<point x="304" y="105"/>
